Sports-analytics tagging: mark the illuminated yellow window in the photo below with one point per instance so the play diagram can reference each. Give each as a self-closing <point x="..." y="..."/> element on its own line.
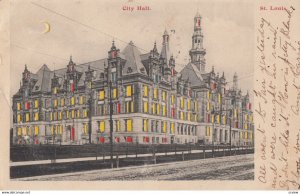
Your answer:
<point x="55" y="103"/>
<point x="36" y="103"/>
<point x="36" y="130"/>
<point x="208" y="130"/>
<point x="129" y="125"/>
<point x="158" y="109"/>
<point x="19" y="131"/>
<point x="67" y="114"/>
<point x="246" y="135"/>
<point x="208" y="106"/>
<point x="51" y="116"/>
<point x="155" y="91"/>
<point x="60" y="129"/>
<point x="27" y="118"/>
<point x="52" y="129"/>
<point x="85" y="113"/>
<point x="81" y="100"/>
<point x="19" y="118"/>
<point x="101" y="95"/>
<point x="118" y="128"/>
<point x="145" y="125"/>
<point x="102" y="126"/>
<point x="219" y="98"/>
<point x="251" y="118"/>
<point x="189" y="104"/>
<point x="164" y="95"/>
<point x="182" y="103"/>
<point x="19" y="106"/>
<point x="212" y="118"/>
<point x="128" y="90"/>
<point x="208" y="94"/>
<point x="165" y="126"/>
<point x="181" y="115"/>
<point x="62" y="102"/>
<point x="24" y="131"/>
<point x="251" y="135"/>
<point x="146" y="91"/>
<point x="85" y="128"/>
<point x="145" y="107"/>
<point x="246" y="117"/>
<point x="196" y="106"/>
<point x="73" y="101"/>
<point x="172" y="99"/>
<point x="172" y="128"/>
<point x="164" y="110"/>
<point x="218" y="119"/>
<point x="55" y="90"/>
<point x="241" y="135"/>
<point x="153" y="108"/>
<point x="246" y="126"/>
<point x="78" y="113"/>
<point x="36" y="116"/>
<point x="115" y="93"/>
<point x="235" y="113"/>
<point x="73" y="114"/>
<point x="189" y="116"/>
<point x="60" y="115"/>
<point x="224" y="120"/>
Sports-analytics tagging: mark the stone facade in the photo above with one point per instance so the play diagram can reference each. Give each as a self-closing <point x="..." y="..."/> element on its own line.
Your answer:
<point x="151" y="102"/>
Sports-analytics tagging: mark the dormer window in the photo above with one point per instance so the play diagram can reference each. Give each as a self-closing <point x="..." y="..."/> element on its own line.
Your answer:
<point x="129" y="70"/>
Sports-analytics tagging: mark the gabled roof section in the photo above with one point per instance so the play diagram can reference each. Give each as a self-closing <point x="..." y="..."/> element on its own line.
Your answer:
<point x="190" y="72"/>
<point x="133" y="59"/>
<point x="43" y="83"/>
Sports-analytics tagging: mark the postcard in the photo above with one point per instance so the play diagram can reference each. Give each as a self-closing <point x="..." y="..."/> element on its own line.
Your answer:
<point x="144" y="95"/>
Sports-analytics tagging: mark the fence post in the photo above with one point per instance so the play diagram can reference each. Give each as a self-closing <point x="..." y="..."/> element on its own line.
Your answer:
<point x="175" y="149"/>
<point x="117" y="160"/>
<point x="103" y="157"/>
<point x="182" y="156"/>
<point x="154" y="156"/>
<point x="203" y="152"/>
<point x="223" y="151"/>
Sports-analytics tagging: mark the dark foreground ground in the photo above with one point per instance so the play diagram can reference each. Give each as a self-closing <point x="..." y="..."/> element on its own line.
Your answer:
<point x="238" y="167"/>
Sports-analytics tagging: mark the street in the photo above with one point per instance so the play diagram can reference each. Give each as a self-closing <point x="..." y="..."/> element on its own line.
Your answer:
<point x="239" y="167"/>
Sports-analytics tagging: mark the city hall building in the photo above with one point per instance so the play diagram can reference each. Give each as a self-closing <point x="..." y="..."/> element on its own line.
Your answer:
<point x="150" y="102"/>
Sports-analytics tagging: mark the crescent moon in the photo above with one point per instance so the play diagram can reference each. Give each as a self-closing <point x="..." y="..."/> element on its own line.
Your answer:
<point x="47" y="27"/>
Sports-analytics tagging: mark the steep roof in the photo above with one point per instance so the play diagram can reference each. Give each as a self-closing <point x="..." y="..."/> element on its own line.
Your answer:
<point x="190" y="72"/>
<point x="133" y="59"/>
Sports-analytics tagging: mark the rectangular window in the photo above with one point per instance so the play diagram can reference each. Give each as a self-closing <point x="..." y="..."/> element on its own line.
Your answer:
<point x="60" y="129"/>
<point x="118" y="125"/>
<point x="27" y="117"/>
<point x="60" y="116"/>
<point x="158" y="109"/>
<point x="62" y="102"/>
<point x="19" y="106"/>
<point x="246" y="126"/>
<point x="101" y="95"/>
<point x="36" y="116"/>
<point x="115" y="95"/>
<point x="78" y="113"/>
<point x="208" y="130"/>
<point x="189" y="116"/>
<point x="55" y="102"/>
<point x="19" y="118"/>
<point x="85" y="128"/>
<point x="208" y="106"/>
<point x="67" y="114"/>
<point x="128" y="91"/>
<point x="19" y="131"/>
<point x="154" y="108"/>
<point x="36" y="103"/>
<point x="182" y="103"/>
<point x="52" y="129"/>
<point x="36" y="130"/>
<point x="129" y="106"/>
<point x="129" y="125"/>
<point x="27" y="105"/>
<point x="145" y="125"/>
<point x="73" y="114"/>
<point x="51" y="116"/>
<point x="172" y="128"/>
<point x="165" y="126"/>
<point x="164" y="110"/>
<point x="81" y="100"/>
<point x="189" y="104"/>
<point x="145" y="91"/>
<point x="224" y="120"/>
<point x="218" y="119"/>
<point x="155" y="91"/>
<point x="212" y="118"/>
<point x="196" y="106"/>
<point x="102" y="126"/>
<point x="235" y="113"/>
<point x="85" y="113"/>
<point x="145" y="107"/>
<point x="172" y="99"/>
<point x="208" y="95"/>
<point x="219" y="98"/>
<point x="73" y="101"/>
<point x="181" y="115"/>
